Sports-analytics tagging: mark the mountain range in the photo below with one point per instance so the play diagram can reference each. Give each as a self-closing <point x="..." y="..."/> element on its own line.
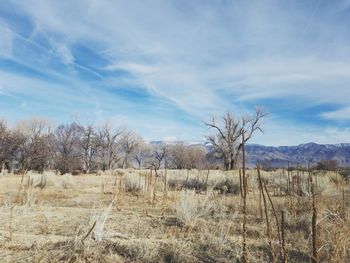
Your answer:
<point x="281" y="156"/>
<point x="298" y="155"/>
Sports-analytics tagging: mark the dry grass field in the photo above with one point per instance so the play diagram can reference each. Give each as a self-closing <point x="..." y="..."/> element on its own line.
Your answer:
<point x="129" y="216"/>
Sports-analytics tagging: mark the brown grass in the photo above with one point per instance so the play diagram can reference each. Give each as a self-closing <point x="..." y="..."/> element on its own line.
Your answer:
<point x="122" y="216"/>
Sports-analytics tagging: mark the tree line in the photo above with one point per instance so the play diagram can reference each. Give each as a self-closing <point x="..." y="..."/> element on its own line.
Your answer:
<point x="37" y="145"/>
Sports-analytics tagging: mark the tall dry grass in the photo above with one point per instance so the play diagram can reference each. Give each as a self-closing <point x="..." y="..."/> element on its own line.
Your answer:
<point x="123" y="216"/>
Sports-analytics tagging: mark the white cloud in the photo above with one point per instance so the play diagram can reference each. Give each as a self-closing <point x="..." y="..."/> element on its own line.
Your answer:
<point x="283" y="133"/>
<point x="6" y="41"/>
<point x="194" y="50"/>
<point x="62" y="51"/>
<point x="169" y="139"/>
<point x="341" y="114"/>
<point x="93" y="104"/>
<point x="136" y="68"/>
<point x="203" y="57"/>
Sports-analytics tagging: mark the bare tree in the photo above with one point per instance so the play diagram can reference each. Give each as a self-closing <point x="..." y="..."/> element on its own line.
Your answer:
<point x="10" y="147"/>
<point x="89" y="144"/>
<point x="128" y="143"/>
<point x="178" y="155"/>
<point x="34" y="127"/>
<point x="143" y="151"/>
<point x="108" y="144"/>
<point x="37" y="144"/>
<point x="68" y="143"/>
<point x="160" y="156"/>
<point x="226" y="142"/>
<point x="196" y="155"/>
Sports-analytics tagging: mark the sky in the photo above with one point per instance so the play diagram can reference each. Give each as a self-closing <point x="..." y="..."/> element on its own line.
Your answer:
<point x="164" y="68"/>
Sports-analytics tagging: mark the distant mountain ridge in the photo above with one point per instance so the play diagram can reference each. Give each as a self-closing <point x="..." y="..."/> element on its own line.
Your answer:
<point x="298" y="155"/>
<point x="280" y="156"/>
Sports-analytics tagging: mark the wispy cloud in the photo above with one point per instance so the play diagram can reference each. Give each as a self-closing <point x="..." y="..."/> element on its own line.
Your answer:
<point x="341" y="114"/>
<point x="6" y="41"/>
<point x="172" y="64"/>
<point x="62" y="52"/>
<point x="134" y="68"/>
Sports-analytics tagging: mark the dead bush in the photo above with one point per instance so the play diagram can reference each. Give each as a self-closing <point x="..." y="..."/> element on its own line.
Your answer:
<point x="227" y="187"/>
<point x="132" y="183"/>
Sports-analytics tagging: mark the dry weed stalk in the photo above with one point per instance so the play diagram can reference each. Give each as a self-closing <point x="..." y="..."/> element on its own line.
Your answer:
<point x="100" y="222"/>
<point x="10" y="226"/>
<point x="244" y="188"/>
<point x="268" y="229"/>
<point x="241" y="183"/>
<point x="115" y="187"/>
<point x="282" y="251"/>
<point x="20" y="189"/>
<point x="284" y="254"/>
<point x="139" y="181"/>
<point x="343" y="202"/>
<point x="206" y="181"/>
<point x="314" y="223"/>
<point x="154" y="185"/>
<point x="165" y="184"/>
<point x="89" y="232"/>
<point x="188" y="173"/>
<point x="260" y="200"/>
<point x="149" y="186"/>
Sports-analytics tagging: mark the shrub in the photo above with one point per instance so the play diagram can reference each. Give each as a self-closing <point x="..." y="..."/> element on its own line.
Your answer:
<point x="301" y="224"/>
<point x="345" y="173"/>
<point x="192" y="184"/>
<point x="175" y="183"/>
<point x="186" y="205"/>
<point x="120" y="172"/>
<point x="132" y="183"/>
<point x="195" y="184"/>
<point x="49" y="179"/>
<point x="190" y="206"/>
<point x="227" y="187"/>
<point x="327" y="165"/>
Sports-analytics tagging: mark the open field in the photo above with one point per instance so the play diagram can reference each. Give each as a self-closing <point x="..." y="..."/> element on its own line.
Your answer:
<point x="129" y="216"/>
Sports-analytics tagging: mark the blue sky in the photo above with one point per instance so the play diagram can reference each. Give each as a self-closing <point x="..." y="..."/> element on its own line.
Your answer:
<point x="162" y="68"/>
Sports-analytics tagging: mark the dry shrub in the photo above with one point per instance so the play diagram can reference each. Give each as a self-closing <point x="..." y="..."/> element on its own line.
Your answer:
<point x="211" y="249"/>
<point x="120" y="172"/>
<point x="228" y="186"/>
<point x="175" y="251"/>
<point x="300" y="224"/>
<point x="115" y="172"/>
<point x="49" y="179"/>
<point x="175" y="184"/>
<point x="140" y="249"/>
<point x="334" y="237"/>
<point x="186" y="205"/>
<point x="191" y="184"/>
<point x="98" y="220"/>
<point x="345" y="173"/>
<point x="133" y="183"/>
<point x="151" y="250"/>
<point x="194" y="184"/>
<point x="65" y="181"/>
<point x="29" y="197"/>
<point x="190" y="206"/>
<point x="4" y="172"/>
<point x="36" y="180"/>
